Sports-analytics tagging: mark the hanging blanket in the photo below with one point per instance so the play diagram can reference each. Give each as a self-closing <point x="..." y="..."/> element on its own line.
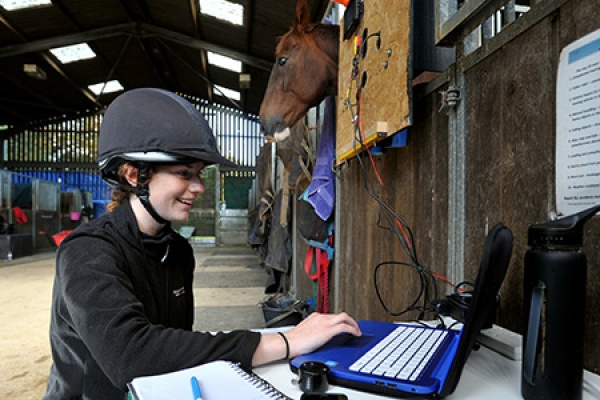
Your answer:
<point x="321" y="191"/>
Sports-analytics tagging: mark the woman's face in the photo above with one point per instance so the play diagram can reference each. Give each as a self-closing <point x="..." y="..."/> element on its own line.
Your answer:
<point x="173" y="189"/>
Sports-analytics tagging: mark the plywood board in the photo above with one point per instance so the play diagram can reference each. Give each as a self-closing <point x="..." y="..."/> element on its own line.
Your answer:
<point x="385" y="96"/>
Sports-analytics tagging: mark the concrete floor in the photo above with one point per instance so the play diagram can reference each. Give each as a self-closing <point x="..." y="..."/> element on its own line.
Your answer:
<point x="228" y="285"/>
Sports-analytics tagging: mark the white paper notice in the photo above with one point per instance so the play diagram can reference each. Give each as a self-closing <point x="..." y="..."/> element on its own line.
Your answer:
<point x="578" y="126"/>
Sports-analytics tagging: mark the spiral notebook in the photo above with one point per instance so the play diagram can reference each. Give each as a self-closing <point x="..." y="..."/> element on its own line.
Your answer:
<point x="219" y="380"/>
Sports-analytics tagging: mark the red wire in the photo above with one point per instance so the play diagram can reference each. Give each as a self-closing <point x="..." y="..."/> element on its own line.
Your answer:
<point x="368" y="150"/>
<point x="444" y="279"/>
<point x="362" y="133"/>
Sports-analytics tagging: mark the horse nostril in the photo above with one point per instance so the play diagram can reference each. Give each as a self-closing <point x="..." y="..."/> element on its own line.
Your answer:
<point x="271" y="126"/>
<point x="268" y="136"/>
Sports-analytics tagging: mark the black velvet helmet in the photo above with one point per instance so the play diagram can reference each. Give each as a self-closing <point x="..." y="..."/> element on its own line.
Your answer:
<point x="154" y="126"/>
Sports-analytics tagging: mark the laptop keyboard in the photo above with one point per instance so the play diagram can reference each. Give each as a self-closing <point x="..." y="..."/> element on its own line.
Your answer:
<point x="402" y="354"/>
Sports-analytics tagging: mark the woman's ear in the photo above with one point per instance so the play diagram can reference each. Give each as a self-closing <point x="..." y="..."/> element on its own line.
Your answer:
<point x="130" y="174"/>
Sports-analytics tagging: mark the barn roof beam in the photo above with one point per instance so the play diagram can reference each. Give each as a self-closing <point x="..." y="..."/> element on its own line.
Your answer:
<point x="468" y="17"/>
<point x="50" y="60"/>
<point x="136" y="29"/>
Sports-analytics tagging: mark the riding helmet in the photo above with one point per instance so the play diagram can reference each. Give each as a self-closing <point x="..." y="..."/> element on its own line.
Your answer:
<point x="154" y="126"/>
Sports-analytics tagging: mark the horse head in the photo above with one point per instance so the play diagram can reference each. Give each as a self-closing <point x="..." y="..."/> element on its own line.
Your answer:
<point x="304" y="73"/>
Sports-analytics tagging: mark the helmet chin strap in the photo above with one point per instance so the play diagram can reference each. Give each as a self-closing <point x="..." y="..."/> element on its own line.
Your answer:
<point x="142" y="191"/>
<point x="143" y="195"/>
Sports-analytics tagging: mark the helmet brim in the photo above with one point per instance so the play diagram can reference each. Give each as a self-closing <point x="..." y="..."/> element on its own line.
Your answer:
<point x="109" y="167"/>
<point x="207" y="158"/>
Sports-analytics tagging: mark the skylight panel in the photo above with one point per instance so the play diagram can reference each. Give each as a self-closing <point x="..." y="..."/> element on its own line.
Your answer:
<point x="223" y="91"/>
<point x="10" y="5"/>
<point x="224" y="62"/>
<point x="224" y="10"/>
<point x="76" y="52"/>
<point x="111" y="86"/>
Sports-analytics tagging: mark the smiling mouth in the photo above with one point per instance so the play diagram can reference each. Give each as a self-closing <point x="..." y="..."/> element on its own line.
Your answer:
<point x="186" y="202"/>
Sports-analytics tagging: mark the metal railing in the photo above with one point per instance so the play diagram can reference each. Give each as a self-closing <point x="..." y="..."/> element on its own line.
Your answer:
<point x="65" y="151"/>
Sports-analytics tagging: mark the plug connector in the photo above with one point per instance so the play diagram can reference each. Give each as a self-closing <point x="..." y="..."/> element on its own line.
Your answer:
<point x="503" y="341"/>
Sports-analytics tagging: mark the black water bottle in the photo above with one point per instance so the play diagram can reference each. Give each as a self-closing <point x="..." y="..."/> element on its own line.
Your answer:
<point x="554" y="309"/>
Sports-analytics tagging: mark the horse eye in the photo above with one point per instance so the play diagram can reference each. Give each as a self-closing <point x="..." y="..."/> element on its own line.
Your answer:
<point x="281" y="61"/>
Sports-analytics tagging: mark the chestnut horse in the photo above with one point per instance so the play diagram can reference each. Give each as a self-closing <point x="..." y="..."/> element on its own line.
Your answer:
<point x="304" y="73"/>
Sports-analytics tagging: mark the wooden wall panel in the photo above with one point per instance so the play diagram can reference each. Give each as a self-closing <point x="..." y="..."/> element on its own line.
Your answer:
<point x="510" y="105"/>
<point x="587" y="22"/>
<point x="511" y="130"/>
<point x="415" y="179"/>
<point x="510" y="138"/>
<point x="576" y="20"/>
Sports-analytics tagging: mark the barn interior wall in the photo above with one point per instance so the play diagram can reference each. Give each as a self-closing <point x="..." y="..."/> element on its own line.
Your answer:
<point x="509" y="102"/>
<point x="416" y="187"/>
<point x="511" y="152"/>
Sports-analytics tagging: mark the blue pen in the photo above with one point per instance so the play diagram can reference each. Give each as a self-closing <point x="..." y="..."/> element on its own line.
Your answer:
<point x="196" y="388"/>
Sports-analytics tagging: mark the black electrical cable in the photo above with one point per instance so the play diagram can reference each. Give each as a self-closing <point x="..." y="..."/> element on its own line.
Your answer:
<point x="358" y="138"/>
<point x="412" y="306"/>
<point x="384" y="207"/>
<point x="407" y="240"/>
<point x="388" y="213"/>
<point x="406" y="237"/>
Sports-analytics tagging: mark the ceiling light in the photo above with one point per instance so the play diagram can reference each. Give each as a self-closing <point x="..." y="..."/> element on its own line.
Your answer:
<point x="10" y="5"/>
<point x="76" y="52"/>
<point x="35" y="72"/>
<point x="109" y="87"/>
<point x="224" y="62"/>
<point x="245" y="81"/>
<point x="223" y="10"/>
<point x="223" y="91"/>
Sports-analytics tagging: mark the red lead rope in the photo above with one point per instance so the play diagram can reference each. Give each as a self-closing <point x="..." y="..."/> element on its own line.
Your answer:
<point x="317" y="269"/>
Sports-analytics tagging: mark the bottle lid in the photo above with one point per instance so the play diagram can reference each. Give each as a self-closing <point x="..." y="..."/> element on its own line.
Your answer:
<point x="563" y="232"/>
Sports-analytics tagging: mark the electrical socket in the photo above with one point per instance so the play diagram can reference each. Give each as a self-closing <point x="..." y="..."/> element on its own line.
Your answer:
<point x="503" y="341"/>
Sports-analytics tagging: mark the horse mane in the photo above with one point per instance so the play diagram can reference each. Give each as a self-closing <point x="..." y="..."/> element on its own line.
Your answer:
<point x="329" y="33"/>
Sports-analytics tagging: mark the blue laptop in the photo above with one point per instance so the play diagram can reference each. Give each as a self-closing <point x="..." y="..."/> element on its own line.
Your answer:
<point x="403" y="360"/>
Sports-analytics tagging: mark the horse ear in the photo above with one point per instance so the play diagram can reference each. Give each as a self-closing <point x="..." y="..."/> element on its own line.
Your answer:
<point x="302" y="16"/>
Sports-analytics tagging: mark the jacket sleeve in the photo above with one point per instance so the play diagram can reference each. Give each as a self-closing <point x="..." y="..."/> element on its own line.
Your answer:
<point x="98" y="299"/>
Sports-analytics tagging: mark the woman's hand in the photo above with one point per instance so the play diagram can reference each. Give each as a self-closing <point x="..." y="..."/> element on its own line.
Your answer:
<point x="310" y="334"/>
<point x="317" y="329"/>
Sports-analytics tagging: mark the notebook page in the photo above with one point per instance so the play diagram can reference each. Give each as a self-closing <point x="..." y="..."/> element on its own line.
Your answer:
<point x="218" y="380"/>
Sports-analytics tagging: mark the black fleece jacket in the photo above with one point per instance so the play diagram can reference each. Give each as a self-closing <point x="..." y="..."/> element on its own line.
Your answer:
<point x="123" y="306"/>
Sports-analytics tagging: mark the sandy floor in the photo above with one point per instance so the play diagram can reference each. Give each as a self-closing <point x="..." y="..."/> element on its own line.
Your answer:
<point x="25" y="296"/>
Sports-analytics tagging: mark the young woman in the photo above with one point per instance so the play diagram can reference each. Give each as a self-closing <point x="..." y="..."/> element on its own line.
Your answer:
<point x="122" y="302"/>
